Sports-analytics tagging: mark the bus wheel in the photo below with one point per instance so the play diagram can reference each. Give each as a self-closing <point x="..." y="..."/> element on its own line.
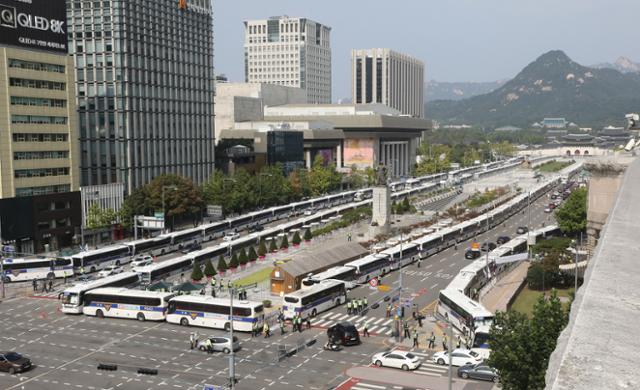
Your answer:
<point x="184" y="322"/>
<point x="140" y="317"/>
<point x="314" y="313"/>
<point x="99" y="313"/>
<point x="227" y="327"/>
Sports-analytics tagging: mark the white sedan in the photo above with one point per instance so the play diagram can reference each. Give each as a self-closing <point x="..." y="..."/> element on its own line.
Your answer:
<point x="459" y="357"/>
<point x="110" y="270"/>
<point x="396" y="359"/>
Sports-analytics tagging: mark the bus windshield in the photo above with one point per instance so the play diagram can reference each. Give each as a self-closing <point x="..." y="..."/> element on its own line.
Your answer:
<point x="291" y="300"/>
<point x="70" y="299"/>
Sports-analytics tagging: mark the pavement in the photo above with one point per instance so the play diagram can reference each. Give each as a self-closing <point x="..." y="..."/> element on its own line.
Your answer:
<point x="503" y="291"/>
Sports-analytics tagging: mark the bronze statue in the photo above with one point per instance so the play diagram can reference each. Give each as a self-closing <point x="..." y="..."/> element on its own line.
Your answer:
<point x="381" y="175"/>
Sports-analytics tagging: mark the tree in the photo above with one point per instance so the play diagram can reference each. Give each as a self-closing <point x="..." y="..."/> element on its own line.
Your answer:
<point x="535" y="276"/>
<point x="243" y="259"/>
<point x="185" y="201"/>
<point x="521" y="347"/>
<point x="234" y="263"/>
<point x="209" y="269"/>
<point x="572" y="215"/>
<point x="253" y="256"/>
<point x="98" y="218"/>
<point x="296" y="239"/>
<point x="196" y="274"/>
<point x="262" y="249"/>
<point x="285" y="242"/>
<point x="137" y="203"/>
<point x="272" y="246"/>
<point x="307" y="235"/>
<point x="323" y="179"/>
<point x="222" y="265"/>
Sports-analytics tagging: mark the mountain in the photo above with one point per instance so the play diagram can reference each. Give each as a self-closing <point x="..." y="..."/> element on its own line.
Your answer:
<point x="622" y="64"/>
<point x="437" y="90"/>
<point x="551" y="86"/>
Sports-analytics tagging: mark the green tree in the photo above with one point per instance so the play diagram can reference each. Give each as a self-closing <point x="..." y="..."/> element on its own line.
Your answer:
<point x="323" y="179"/>
<point x="222" y="265"/>
<point x="196" y="274"/>
<point x="535" y="276"/>
<point x="209" y="269"/>
<point x="284" y="244"/>
<point x="272" y="246"/>
<point x="234" y="263"/>
<point x="185" y="201"/>
<point x="262" y="249"/>
<point x="572" y="215"/>
<point x="243" y="259"/>
<point x="137" y="203"/>
<point x="253" y="256"/>
<point x="307" y="235"/>
<point x="296" y="239"/>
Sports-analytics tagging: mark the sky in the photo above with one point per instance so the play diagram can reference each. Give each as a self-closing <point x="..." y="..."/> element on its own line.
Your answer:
<point x="458" y="40"/>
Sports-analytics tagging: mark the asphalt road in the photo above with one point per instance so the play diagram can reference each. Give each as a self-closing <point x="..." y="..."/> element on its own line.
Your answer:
<point x="66" y="349"/>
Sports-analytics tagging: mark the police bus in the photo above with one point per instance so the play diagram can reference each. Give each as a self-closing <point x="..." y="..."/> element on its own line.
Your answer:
<point x="345" y="274"/>
<point x="20" y="270"/>
<point x="127" y="303"/>
<point x="370" y="266"/>
<point x="151" y="273"/>
<point x="214" y="313"/>
<point x="464" y="313"/>
<point x="73" y="297"/>
<point x="311" y="301"/>
<point x="95" y="260"/>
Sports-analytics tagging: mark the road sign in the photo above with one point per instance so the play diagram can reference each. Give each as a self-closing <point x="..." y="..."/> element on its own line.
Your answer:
<point x="214" y="210"/>
<point x="150" y="222"/>
<point x="373" y="282"/>
<point x="9" y="248"/>
<point x="158" y="214"/>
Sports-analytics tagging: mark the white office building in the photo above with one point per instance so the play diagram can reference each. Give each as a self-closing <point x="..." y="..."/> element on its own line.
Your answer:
<point x="388" y="77"/>
<point x="293" y="52"/>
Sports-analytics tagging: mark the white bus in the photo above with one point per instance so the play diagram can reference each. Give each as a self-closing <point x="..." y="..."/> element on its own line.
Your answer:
<point x="370" y="266"/>
<point x="345" y="274"/>
<point x="73" y="297"/>
<point x="95" y="260"/>
<point x="212" y="312"/>
<point x="464" y="313"/>
<point x="127" y="303"/>
<point x="311" y="301"/>
<point x="154" y="272"/>
<point x="20" y="270"/>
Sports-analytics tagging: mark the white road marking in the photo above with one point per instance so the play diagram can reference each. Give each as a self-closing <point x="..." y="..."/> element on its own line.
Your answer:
<point x="370" y="385"/>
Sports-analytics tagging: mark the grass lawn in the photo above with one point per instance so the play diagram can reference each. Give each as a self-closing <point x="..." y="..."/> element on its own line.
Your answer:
<point x="553" y="166"/>
<point x="527" y="298"/>
<point x="256" y="277"/>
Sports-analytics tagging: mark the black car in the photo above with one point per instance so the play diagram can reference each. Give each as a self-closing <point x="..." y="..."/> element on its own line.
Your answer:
<point x="472" y="254"/>
<point x="13" y="362"/>
<point x="522" y="230"/>
<point x="502" y="240"/>
<point x="255" y="228"/>
<point x="478" y="371"/>
<point x="194" y="246"/>
<point x="343" y="333"/>
<point x="488" y="246"/>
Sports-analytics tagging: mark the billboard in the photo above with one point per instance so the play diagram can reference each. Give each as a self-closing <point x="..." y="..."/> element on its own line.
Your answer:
<point x="358" y="152"/>
<point x="34" y="24"/>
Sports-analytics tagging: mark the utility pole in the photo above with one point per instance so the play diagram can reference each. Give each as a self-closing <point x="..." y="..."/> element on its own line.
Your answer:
<point x="232" y="355"/>
<point x="450" y="353"/>
<point x="400" y="291"/>
<point x="1" y="259"/>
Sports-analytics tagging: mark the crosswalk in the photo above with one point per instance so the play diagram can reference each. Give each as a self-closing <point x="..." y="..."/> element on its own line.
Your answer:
<point x="428" y="368"/>
<point x="375" y="325"/>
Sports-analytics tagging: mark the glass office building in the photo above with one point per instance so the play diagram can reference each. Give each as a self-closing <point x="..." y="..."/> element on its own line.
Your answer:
<point x="144" y="88"/>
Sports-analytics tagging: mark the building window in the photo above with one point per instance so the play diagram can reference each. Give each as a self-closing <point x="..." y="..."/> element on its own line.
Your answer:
<point x="40" y="155"/>
<point x="31" y="191"/>
<point x="40" y="137"/>
<point x="38" y="119"/>
<point x="39" y="66"/>
<point x="38" y="102"/>
<point x="40" y="172"/>
<point x="37" y="84"/>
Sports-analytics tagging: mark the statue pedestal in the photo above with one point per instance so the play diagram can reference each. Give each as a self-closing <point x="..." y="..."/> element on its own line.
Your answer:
<point x="381" y="203"/>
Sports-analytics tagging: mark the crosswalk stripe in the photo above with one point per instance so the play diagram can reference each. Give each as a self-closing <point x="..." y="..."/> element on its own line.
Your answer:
<point x="327" y="315"/>
<point x="341" y="317"/>
<point x="335" y="316"/>
<point x="380" y="320"/>
<point x="321" y="323"/>
<point x="372" y="329"/>
<point x="370" y="385"/>
<point x="388" y="332"/>
<point x="433" y="365"/>
<point x="441" y="370"/>
<point x="421" y="354"/>
<point x="425" y="373"/>
<point x="387" y="322"/>
<point x="360" y="319"/>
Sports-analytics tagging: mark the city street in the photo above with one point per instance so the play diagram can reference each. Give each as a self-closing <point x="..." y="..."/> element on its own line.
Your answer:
<point x="66" y="349"/>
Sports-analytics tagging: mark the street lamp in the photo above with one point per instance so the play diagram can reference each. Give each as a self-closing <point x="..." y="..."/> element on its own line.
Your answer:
<point x="172" y="187"/>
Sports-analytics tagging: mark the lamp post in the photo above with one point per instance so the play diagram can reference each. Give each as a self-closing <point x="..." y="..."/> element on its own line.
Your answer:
<point x="1" y="259"/>
<point x="172" y="187"/>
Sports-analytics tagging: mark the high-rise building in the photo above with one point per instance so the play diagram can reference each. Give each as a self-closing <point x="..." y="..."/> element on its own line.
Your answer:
<point x="294" y="52"/>
<point x="39" y="198"/>
<point x="388" y="77"/>
<point x="145" y="86"/>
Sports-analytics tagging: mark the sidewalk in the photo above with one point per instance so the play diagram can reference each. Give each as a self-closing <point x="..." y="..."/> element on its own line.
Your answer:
<point x="503" y="291"/>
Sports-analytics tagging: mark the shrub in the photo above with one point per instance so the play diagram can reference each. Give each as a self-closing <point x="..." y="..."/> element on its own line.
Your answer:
<point x="234" y="263"/>
<point x="285" y="242"/>
<point x="307" y="235"/>
<point x="222" y="265"/>
<point x="266" y="303"/>
<point x="243" y="259"/>
<point x="196" y="274"/>
<point x="272" y="246"/>
<point x="296" y="239"/>
<point x="252" y="254"/>
<point x="262" y="249"/>
<point x="209" y="269"/>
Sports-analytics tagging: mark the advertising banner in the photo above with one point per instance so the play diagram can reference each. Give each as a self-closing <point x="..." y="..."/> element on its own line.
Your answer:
<point x="34" y="24"/>
<point x="358" y="152"/>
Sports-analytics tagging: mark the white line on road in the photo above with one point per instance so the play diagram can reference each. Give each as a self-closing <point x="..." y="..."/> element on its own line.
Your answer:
<point x="377" y="322"/>
<point x="434" y="286"/>
<point x="370" y="385"/>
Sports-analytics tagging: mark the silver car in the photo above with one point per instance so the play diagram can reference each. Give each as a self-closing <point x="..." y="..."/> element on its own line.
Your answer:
<point x="220" y="344"/>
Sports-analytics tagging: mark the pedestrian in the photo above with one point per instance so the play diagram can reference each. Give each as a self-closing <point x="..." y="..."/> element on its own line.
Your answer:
<point x="407" y="334"/>
<point x="357" y="306"/>
<point x="82" y="270"/>
<point x="365" y="331"/>
<point x="213" y="285"/>
<point x="267" y="332"/>
<point x="229" y="285"/>
<point x="209" y="346"/>
<point x="202" y="292"/>
<point x="308" y="323"/>
<point x="432" y="340"/>
<point x="366" y="303"/>
<point x="282" y="328"/>
<point x="467" y="342"/>
<point x="35" y="285"/>
<point x="419" y="262"/>
<point x="388" y="310"/>
<point x="458" y="341"/>
<point x="420" y="320"/>
<point x="256" y="330"/>
<point x="300" y="324"/>
<point x="415" y="338"/>
<point x="213" y="292"/>
<point x="221" y="285"/>
<point x="65" y="278"/>
<point x="349" y="307"/>
<point x="44" y="286"/>
<point x="349" y="236"/>
<point x="192" y="340"/>
<point x="444" y="343"/>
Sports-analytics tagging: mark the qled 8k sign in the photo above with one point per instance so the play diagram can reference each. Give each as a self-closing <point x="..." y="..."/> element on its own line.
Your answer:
<point x="34" y="24"/>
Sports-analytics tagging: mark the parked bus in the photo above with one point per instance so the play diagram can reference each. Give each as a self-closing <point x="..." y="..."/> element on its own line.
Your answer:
<point x="73" y="297"/>
<point x="214" y="313"/>
<point x="153" y="272"/>
<point x="156" y="246"/>
<point x="464" y="313"/>
<point x="369" y="267"/>
<point x="126" y="303"/>
<point x="95" y="260"/>
<point x="345" y="274"/>
<point x="20" y="270"/>
<point x="311" y="301"/>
